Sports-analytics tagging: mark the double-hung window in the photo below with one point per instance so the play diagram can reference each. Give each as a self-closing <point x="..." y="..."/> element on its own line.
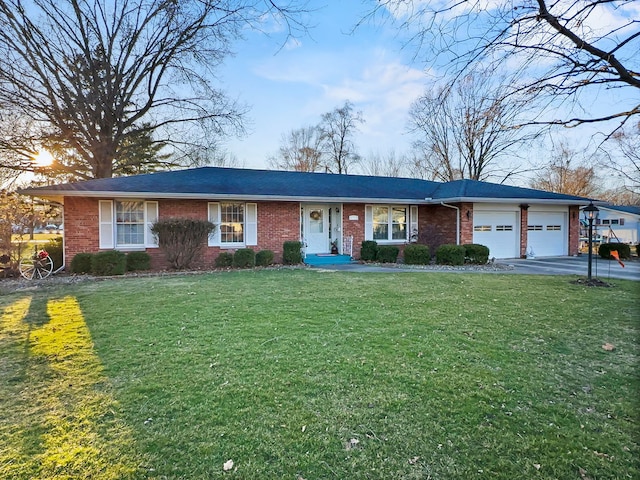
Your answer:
<point x="126" y="224"/>
<point x="236" y="224"/>
<point x="391" y="223"/>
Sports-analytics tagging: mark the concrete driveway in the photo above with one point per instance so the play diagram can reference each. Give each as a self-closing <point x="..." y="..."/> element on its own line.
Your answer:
<point x="602" y="269"/>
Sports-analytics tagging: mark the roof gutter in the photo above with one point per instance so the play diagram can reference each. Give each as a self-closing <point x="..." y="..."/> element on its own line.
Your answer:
<point x="457" y="209"/>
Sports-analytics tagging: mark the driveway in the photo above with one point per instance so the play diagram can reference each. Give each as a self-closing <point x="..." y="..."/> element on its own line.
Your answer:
<point x="602" y="269"/>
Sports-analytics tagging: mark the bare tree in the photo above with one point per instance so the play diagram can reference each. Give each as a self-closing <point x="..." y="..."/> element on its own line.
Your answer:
<point x="300" y="150"/>
<point x="562" y="175"/>
<point x="338" y="128"/>
<point x="627" y="163"/>
<point x="467" y="129"/>
<point x="90" y="79"/>
<point x="569" y="49"/>
<point x="385" y="165"/>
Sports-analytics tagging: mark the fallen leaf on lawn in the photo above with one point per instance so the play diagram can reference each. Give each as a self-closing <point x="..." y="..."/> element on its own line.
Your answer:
<point x="414" y="460"/>
<point x="602" y="455"/>
<point x="583" y="474"/>
<point x="608" y="347"/>
<point x="353" y="443"/>
<point x="537" y="466"/>
<point x="304" y="427"/>
<point x="228" y="465"/>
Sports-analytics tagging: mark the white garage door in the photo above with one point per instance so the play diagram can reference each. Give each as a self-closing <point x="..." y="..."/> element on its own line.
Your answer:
<point x="547" y="234"/>
<point x="498" y="231"/>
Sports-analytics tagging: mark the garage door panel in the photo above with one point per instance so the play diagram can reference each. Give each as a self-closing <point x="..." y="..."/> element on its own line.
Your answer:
<point x="547" y="234"/>
<point x="498" y="231"/>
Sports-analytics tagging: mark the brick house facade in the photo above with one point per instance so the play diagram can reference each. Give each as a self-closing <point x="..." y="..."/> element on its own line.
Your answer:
<point x="276" y="207"/>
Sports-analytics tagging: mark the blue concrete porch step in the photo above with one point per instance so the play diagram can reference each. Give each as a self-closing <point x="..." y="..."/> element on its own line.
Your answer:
<point x="316" y="260"/>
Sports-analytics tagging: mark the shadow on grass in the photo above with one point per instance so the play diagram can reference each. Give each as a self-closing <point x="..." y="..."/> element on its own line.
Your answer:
<point x="59" y="418"/>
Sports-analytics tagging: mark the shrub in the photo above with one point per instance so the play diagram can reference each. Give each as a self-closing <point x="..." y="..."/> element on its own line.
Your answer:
<point x="264" y="258"/>
<point x="449" y="254"/>
<point x="224" y="260"/>
<point x="475" y="253"/>
<point x="292" y="253"/>
<point x="369" y="250"/>
<point x="244" y="258"/>
<point x="110" y="262"/>
<point x="387" y="254"/>
<point x="605" y="249"/>
<point x="138" y="261"/>
<point x="415" y="254"/>
<point x="81" y="263"/>
<point x="54" y="248"/>
<point x="182" y="239"/>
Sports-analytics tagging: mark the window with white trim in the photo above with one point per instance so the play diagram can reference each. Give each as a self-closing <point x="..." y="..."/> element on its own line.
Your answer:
<point x="390" y="223"/>
<point x="236" y="224"/>
<point x="126" y="224"/>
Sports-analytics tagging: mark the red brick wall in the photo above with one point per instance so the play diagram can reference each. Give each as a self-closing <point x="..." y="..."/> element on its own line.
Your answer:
<point x="574" y="230"/>
<point x="277" y="223"/>
<point x="80" y="226"/>
<point x="524" y="231"/>
<point x="437" y="225"/>
<point x="354" y="227"/>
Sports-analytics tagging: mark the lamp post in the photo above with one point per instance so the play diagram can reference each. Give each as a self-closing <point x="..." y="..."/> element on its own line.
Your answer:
<point x="590" y="210"/>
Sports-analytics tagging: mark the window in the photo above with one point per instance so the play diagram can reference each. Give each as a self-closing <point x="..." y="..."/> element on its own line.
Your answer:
<point x="482" y="228"/>
<point x="605" y="221"/>
<point x="555" y="228"/>
<point x="232" y="223"/>
<point x="534" y="228"/>
<point x="504" y="228"/>
<point x="390" y="223"/>
<point x="129" y="223"/>
<point x="236" y="224"/>
<point x="615" y="221"/>
<point x="126" y="224"/>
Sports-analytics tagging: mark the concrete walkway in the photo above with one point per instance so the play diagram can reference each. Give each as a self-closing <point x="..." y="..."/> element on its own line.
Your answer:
<point x="602" y="269"/>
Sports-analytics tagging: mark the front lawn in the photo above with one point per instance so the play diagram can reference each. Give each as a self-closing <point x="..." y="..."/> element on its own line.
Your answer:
<point x="298" y="374"/>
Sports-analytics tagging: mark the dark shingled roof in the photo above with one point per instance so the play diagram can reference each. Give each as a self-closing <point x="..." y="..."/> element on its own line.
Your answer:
<point x="212" y="182"/>
<point x="632" y="209"/>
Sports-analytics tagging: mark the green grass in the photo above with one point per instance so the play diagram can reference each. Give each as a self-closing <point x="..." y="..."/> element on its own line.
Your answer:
<point x="299" y="374"/>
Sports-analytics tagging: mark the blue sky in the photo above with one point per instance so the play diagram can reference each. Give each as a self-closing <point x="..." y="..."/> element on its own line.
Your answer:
<point x="291" y="87"/>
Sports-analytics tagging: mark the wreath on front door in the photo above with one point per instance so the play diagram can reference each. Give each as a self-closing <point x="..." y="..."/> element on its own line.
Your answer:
<point x="315" y="215"/>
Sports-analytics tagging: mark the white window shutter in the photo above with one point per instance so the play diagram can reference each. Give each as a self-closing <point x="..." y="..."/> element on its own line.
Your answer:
<point x="251" y="224"/>
<point x="413" y="220"/>
<point x="368" y="222"/>
<point x="151" y="217"/>
<point x="214" y="217"/>
<point x="106" y="224"/>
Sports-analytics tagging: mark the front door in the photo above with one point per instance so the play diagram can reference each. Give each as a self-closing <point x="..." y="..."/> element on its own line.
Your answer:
<point x="316" y="228"/>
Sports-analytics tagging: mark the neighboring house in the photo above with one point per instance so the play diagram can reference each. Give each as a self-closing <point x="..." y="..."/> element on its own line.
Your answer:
<point x="262" y="209"/>
<point x="618" y="224"/>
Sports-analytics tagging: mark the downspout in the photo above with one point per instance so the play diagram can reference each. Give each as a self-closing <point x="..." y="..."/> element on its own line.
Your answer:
<point x="457" y="209"/>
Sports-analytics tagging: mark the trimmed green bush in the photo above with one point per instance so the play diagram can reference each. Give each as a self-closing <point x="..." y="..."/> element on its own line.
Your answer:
<point x="224" y="260"/>
<point x="110" y="262"/>
<point x="476" y="253"/>
<point x="182" y="239"/>
<point x="605" y="249"/>
<point x="54" y="248"/>
<point x="450" y="254"/>
<point x="638" y="249"/>
<point x="244" y="258"/>
<point x="264" y="258"/>
<point x="292" y="253"/>
<point x="138" y="261"/>
<point x="415" y="254"/>
<point x="387" y="254"/>
<point x="81" y="263"/>
<point x="369" y="250"/>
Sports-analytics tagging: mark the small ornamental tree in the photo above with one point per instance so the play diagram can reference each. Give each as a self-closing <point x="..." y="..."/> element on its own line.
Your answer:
<point x="16" y="215"/>
<point x="182" y="239"/>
